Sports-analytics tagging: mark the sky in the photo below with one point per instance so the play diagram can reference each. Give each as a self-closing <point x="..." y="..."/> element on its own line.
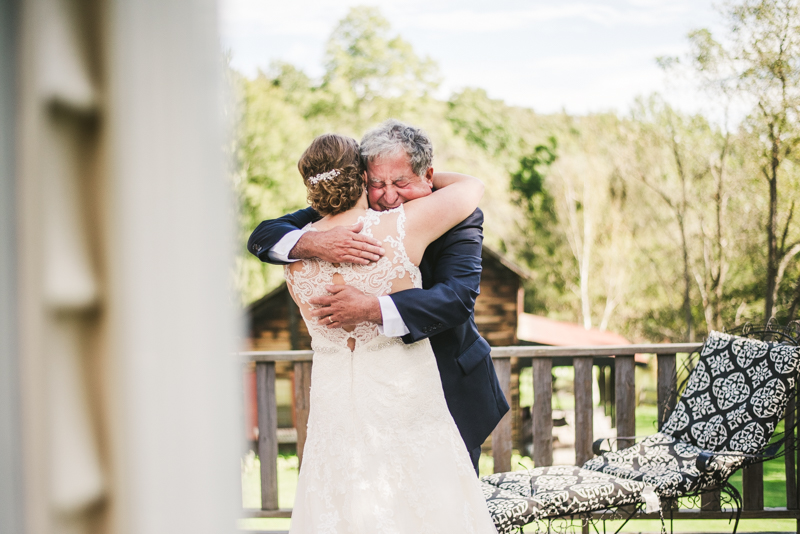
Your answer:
<point x="577" y="56"/>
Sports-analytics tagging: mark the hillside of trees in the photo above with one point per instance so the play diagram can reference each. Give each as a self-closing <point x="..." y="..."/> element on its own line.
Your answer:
<point x="657" y="224"/>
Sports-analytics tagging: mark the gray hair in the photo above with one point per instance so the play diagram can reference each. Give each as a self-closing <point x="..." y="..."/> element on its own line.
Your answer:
<point x="392" y="137"/>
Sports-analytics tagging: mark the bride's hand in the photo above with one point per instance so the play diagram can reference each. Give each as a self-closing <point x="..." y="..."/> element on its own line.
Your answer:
<point x="346" y="306"/>
<point x="342" y="244"/>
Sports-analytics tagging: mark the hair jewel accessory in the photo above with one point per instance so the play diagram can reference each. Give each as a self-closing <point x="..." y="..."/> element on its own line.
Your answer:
<point x="323" y="176"/>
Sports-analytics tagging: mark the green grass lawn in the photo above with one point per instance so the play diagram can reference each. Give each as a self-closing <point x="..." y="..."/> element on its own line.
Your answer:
<point x="774" y="493"/>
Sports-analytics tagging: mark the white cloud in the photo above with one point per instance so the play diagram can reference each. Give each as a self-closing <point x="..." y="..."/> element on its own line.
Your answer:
<point x="470" y="20"/>
<point x="579" y="55"/>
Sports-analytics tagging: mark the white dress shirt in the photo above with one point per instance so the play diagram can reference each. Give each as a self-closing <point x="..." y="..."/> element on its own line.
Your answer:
<point x="393" y="325"/>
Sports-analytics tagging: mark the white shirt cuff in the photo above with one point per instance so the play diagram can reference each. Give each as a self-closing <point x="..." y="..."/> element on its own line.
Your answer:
<point x="393" y="325"/>
<point x="281" y="250"/>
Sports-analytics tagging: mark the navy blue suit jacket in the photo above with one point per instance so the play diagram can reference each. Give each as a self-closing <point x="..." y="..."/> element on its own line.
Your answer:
<point x="443" y="311"/>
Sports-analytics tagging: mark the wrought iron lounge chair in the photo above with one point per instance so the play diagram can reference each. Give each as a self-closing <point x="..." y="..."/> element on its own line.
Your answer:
<point x="544" y="493"/>
<point x="726" y="418"/>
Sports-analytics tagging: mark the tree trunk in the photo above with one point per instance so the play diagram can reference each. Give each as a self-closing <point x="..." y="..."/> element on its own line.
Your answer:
<point x="586" y="305"/>
<point x="687" y="283"/>
<point x="718" y="277"/>
<point x="772" y="239"/>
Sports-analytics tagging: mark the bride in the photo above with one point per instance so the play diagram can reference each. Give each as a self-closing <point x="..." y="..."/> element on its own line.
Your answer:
<point x="383" y="454"/>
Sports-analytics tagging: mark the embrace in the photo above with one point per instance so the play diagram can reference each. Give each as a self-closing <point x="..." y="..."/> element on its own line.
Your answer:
<point x="385" y="267"/>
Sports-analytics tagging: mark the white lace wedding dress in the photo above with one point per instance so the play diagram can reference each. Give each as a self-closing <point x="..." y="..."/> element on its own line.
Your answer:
<point x="383" y="455"/>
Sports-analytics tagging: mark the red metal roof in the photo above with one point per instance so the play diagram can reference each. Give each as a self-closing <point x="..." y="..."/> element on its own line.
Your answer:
<point x="544" y="331"/>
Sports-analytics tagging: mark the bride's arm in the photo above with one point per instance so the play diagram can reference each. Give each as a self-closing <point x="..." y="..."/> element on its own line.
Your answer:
<point x="427" y="218"/>
<point x="443" y="179"/>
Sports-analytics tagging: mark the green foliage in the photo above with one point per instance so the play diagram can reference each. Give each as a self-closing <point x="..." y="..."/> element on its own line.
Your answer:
<point x="367" y="68"/>
<point x="758" y="62"/>
<point x="538" y="225"/>
<point x="483" y="122"/>
<point x="618" y="221"/>
<point x="528" y="181"/>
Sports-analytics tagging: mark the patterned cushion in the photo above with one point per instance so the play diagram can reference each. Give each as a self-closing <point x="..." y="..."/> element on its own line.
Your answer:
<point x="667" y="464"/>
<point x="735" y="395"/>
<point x="518" y="498"/>
<point x="732" y="402"/>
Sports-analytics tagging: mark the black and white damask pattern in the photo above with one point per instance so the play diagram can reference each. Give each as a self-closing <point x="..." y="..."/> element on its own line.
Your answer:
<point x="736" y="394"/>
<point x="521" y="497"/>
<point x="732" y="403"/>
<point x="667" y="464"/>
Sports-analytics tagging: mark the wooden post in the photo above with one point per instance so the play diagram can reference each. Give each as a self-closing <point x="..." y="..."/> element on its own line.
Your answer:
<point x="625" y="406"/>
<point x="753" y="486"/>
<point x="501" y="436"/>
<point x="667" y="386"/>
<point x="611" y="394"/>
<point x="302" y="404"/>
<point x="267" y="434"/>
<point x="542" y="412"/>
<point x="601" y="385"/>
<point x="584" y="431"/>
<point x="789" y="459"/>
<point x="710" y="501"/>
<point x="797" y="457"/>
<point x="516" y="413"/>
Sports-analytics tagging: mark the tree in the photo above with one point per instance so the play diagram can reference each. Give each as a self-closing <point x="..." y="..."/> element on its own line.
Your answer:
<point x="676" y="183"/>
<point x="539" y="223"/>
<point x="581" y="186"/>
<point x="760" y="60"/>
<point x="483" y="122"/>
<point x="271" y="137"/>
<point x="365" y="64"/>
<point x="576" y="236"/>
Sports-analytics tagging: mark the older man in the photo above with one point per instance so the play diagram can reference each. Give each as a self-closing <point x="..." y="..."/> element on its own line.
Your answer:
<point x="399" y="168"/>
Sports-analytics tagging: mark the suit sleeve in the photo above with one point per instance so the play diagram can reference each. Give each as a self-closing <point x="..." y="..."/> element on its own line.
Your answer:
<point x="449" y="299"/>
<point x="268" y="233"/>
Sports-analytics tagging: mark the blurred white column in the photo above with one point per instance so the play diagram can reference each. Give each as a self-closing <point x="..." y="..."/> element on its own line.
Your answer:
<point x="176" y="426"/>
<point x="128" y="412"/>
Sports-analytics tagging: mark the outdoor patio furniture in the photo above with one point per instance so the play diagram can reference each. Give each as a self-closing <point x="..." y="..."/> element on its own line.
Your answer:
<point x="728" y="412"/>
<point x="521" y="497"/>
<point x="726" y="417"/>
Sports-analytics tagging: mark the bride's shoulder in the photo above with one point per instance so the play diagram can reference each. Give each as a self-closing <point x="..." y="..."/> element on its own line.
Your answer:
<point x="384" y="213"/>
<point x="374" y="217"/>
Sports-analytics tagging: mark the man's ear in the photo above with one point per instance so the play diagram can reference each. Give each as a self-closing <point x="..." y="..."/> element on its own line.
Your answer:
<point x="429" y="176"/>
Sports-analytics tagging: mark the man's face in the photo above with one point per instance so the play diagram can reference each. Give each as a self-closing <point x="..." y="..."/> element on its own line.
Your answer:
<point x="391" y="182"/>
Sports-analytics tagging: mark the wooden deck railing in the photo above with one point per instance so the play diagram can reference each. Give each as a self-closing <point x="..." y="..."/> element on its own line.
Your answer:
<point x="542" y="363"/>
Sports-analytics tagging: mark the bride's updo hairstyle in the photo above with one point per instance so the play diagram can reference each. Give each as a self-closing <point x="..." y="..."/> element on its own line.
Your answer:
<point x="333" y="173"/>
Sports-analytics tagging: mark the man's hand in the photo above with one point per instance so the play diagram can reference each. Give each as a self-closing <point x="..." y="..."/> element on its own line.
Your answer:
<point x="342" y="244"/>
<point x="346" y="306"/>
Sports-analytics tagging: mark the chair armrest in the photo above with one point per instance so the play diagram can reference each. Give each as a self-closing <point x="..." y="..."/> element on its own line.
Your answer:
<point x="704" y="461"/>
<point x="596" y="446"/>
<point x="611" y="443"/>
<point x="708" y="461"/>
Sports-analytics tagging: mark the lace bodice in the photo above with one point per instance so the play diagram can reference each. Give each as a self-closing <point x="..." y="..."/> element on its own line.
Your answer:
<point x="393" y="272"/>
